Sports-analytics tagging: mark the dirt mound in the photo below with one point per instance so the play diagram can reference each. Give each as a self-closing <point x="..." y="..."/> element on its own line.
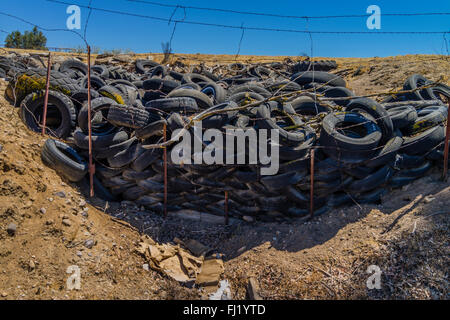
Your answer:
<point x="406" y="235"/>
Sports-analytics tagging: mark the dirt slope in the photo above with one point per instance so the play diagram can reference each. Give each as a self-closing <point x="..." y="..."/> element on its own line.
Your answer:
<point x="406" y="236"/>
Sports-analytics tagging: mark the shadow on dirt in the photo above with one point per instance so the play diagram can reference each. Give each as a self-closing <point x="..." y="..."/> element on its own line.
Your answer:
<point x="292" y="236"/>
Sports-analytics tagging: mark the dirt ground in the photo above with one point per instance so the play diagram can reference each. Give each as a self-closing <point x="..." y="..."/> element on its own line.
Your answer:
<point x="406" y="235"/>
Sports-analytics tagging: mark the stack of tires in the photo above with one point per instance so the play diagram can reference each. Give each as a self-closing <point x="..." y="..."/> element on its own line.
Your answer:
<point x="362" y="148"/>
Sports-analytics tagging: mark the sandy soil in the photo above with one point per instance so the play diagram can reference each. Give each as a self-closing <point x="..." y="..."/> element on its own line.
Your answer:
<point x="327" y="258"/>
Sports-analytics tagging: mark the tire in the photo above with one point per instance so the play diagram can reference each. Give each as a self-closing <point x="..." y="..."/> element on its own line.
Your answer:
<point x="428" y="117"/>
<point x="128" y="93"/>
<point x="303" y="78"/>
<point x="101" y="70"/>
<point x="195" y="78"/>
<point x="386" y="155"/>
<point x="165" y="86"/>
<point x="215" y="92"/>
<point x="79" y="97"/>
<point x="283" y="86"/>
<point x="100" y="109"/>
<point x="34" y="80"/>
<point x="96" y="82"/>
<point x="113" y="93"/>
<point x="59" y="104"/>
<point x="146" y="159"/>
<point x="64" y="160"/>
<point x="249" y="87"/>
<point x="112" y="150"/>
<point x="99" y="142"/>
<point x="125" y="157"/>
<point x="144" y="66"/>
<point x="203" y="101"/>
<point x="152" y="129"/>
<point x="73" y="65"/>
<point x="372" y="181"/>
<point x="402" y="116"/>
<point x="128" y="116"/>
<point x="307" y="106"/>
<point x="339" y="92"/>
<point x="341" y="146"/>
<point x="321" y="65"/>
<point x="423" y="142"/>
<point x="244" y="98"/>
<point x="441" y="89"/>
<point x="377" y="111"/>
<point x="416" y="172"/>
<point x="178" y="104"/>
<point x="415" y="81"/>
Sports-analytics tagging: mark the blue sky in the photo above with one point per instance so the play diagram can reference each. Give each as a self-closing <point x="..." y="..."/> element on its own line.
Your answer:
<point x="110" y="31"/>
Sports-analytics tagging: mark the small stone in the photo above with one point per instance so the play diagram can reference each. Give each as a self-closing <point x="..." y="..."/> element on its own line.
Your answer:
<point x="43" y="210"/>
<point x="146" y="267"/>
<point x="248" y="219"/>
<point x="60" y="194"/>
<point x="67" y="222"/>
<point x="4" y="294"/>
<point x="49" y="222"/>
<point x="31" y="265"/>
<point x="82" y="203"/>
<point x="50" y="199"/>
<point x="428" y="199"/>
<point x="12" y="228"/>
<point x="89" y="243"/>
<point x="79" y="254"/>
<point x="84" y="214"/>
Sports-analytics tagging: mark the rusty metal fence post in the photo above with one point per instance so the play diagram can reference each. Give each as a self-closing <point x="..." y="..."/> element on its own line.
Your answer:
<point x="447" y="138"/>
<point x="47" y="88"/>
<point x="165" y="171"/>
<point x="311" y="194"/>
<point x="91" y="164"/>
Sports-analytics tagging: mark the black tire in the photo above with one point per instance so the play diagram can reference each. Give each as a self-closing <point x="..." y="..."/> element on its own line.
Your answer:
<point x="99" y="108"/>
<point x="244" y="98"/>
<point x="73" y="65"/>
<point x="99" y="142"/>
<point x="441" y="90"/>
<point x="128" y="93"/>
<point x="321" y="65"/>
<point x="165" y="86"/>
<point x="284" y="86"/>
<point x="178" y="104"/>
<point x="34" y="80"/>
<point x="307" y="106"/>
<point x="150" y="130"/>
<point x="303" y="78"/>
<point x="415" y="81"/>
<point x="426" y="118"/>
<point x="423" y="142"/>
<point x="387" y="154"/>
<point x="403" y="116"/>
<point x="372" y="181"/>
<point x="249" y="87"/>
<point x="101" y="70"/>
<point x="112" y="93"/>
<point x="125" y="157"/>
<point x="377" y="111"/>
<point x="59" y="105"/>
<point x="128" y="116"/>
<point x="112" y="150"/>
<point x="79" y="97"/>
<point x="216" y="92"/>
<point x="146" y="159"/>
<point x="339" y="92"/>
<point x="96" y="82"/>
<point x="64" y="160"/>
<point x="357" y="143"/>
<point x="203" y="101"/>
<point x="195" y="78"/>
<point x="144" y="66"/>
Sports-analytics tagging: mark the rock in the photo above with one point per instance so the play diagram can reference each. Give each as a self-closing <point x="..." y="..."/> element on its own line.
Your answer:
<point x="31" y="265"/>
<point x="60" y="194"/>
<point x="79" y="254"/>
<point x="43" y="210"/>
<point x="253" y="289"/>
<point x="146" y="267"/>
<point x="428" y="199"/>
<point x="248" y="219"/>
<point x="67" y="222"/>
<point x="12" y="228"/>
<point x="196" y="247"/>
<point x="49" y="222"/>
<point x="89" y="243"/>
<point x="4" y="294"/>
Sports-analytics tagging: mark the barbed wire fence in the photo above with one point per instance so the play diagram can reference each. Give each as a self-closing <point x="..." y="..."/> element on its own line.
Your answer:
<point x="243" y="28"/>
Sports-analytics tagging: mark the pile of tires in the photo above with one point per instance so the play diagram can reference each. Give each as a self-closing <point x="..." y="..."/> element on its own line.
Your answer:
<point x="362" y="148"/>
